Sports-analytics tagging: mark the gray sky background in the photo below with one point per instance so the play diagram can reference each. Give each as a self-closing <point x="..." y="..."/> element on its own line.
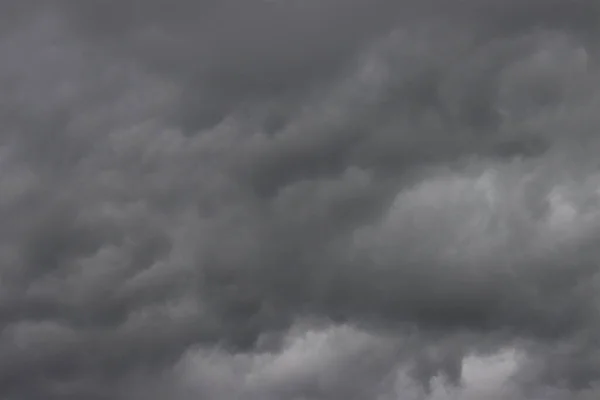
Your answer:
<point x="299" y="199"/>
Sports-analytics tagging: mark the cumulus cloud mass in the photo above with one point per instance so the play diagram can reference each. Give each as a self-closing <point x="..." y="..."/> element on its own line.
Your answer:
<point x="300" y="199"/>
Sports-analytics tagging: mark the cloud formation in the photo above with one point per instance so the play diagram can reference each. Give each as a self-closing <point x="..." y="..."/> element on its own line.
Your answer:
<point x="299" y="200"/>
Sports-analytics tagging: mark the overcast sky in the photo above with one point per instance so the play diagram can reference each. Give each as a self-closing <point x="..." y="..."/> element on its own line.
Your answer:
<point x="299" y="199"/>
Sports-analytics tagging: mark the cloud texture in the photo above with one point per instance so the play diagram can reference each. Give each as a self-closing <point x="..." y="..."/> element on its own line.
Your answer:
<point x="278" y="200"/>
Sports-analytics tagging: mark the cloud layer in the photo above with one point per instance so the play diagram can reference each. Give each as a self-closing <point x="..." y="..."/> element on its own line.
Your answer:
<point x="299" y="200"/>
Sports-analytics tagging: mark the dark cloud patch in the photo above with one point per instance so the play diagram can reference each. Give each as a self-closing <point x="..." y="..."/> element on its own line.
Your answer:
<point x="299" y="199"/>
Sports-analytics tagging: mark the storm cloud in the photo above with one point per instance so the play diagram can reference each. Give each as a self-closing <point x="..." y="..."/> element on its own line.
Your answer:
<point x="287" y="199"/>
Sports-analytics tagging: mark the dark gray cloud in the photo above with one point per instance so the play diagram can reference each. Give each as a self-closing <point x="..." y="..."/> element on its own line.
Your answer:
<point x="299" y="199"/>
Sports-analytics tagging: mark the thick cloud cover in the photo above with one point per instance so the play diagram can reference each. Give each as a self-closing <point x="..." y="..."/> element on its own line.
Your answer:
<point x="287" y="199"/>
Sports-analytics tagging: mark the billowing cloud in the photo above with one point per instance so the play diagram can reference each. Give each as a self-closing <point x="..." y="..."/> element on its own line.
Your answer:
<point x="299" y="200"/>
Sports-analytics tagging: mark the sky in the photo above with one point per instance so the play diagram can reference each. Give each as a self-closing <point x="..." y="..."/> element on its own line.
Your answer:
<point x="299" y="199"/>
